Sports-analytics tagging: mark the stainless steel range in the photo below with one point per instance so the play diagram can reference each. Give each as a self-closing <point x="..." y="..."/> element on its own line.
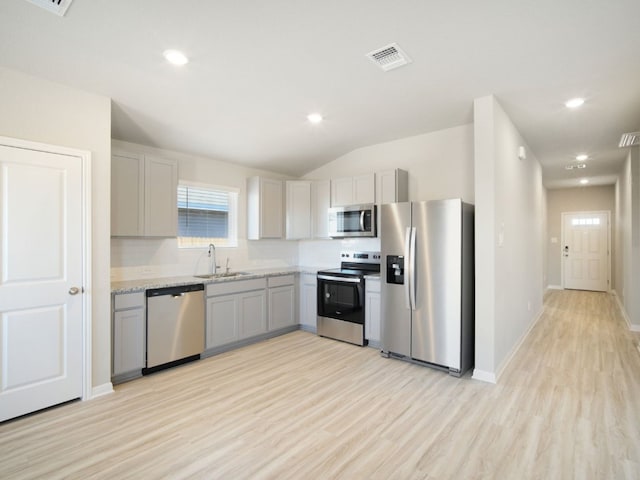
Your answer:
<point x="341" y="297"/>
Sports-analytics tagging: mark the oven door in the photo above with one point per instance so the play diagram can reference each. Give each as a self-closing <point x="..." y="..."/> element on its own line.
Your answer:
<point x="341" y="298"/>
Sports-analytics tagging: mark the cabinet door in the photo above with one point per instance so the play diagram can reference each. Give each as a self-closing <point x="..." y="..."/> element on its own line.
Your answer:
<point x="298" y="210"/>
<point x="160" y="200"/>
<point x="364" y="189"/>
<point x="372" y="317"/>
<point x="342" y="192"/>
<point x="270" y="208"/>
<point x="253" y="313"/>
<point x="128" y="341"/>
<point x="127" y="195"/>
<point x="320" y="203"/>
<point x="308" y="301"/>
<point x="222" y="320"/>
<point x="392" y="186"/>
<point x="281" y="307"/>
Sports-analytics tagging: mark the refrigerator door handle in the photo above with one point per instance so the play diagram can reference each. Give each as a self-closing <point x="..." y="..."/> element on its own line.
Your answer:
<point x="407" y="263"/>
<point x="412" y="271"/>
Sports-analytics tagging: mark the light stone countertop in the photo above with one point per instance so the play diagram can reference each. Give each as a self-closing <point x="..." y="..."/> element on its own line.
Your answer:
<point x="130" y="286"/>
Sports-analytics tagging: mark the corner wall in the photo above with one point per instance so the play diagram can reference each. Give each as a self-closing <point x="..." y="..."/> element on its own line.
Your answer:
<point x="510" y="224"/>
<point x="627" y="271"/>
<point x="41" y="111"/>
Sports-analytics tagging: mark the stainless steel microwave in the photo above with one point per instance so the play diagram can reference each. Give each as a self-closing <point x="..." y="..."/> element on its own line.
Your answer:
<point x="353" y="221"/>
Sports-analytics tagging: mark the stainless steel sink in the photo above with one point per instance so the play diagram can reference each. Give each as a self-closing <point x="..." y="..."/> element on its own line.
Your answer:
<point x="222" y="275"/>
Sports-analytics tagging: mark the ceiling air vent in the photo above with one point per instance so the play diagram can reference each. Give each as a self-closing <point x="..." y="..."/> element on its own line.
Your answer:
<point x="389" y="57"/>
<point x="629" y="139"/>
<point x="59" y="7"/>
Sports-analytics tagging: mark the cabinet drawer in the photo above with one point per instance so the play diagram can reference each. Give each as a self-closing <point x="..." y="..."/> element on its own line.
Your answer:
<point x="372" y="285"/>
<point x="128" y="300"/>
<point x="224" y="288"/>
<point x="281" y="280"/>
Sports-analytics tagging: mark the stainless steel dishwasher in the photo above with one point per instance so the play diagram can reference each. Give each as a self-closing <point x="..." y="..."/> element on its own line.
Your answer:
<point x="175" y="326"/>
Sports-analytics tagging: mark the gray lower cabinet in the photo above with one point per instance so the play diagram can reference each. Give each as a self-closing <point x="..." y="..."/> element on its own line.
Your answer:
<point x="235" y="311"/>
<point x="372" y="311"/>
<point x="128" y="335"/>
<point x="282" y="301"/>
<point x="308" y="301"/>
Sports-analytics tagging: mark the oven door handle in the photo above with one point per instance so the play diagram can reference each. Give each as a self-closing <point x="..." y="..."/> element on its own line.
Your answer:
<point x="339" y="279"/>
<point x="362" y="221"/>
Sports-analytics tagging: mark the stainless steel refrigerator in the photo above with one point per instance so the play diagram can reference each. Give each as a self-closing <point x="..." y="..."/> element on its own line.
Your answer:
<point x="428" y="283"/>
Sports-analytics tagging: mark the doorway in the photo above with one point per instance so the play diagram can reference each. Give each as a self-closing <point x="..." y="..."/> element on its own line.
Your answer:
<point x="585" y="250"/>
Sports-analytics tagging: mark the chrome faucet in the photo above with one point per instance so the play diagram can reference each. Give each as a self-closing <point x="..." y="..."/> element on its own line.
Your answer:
<point x="212" y="259"/>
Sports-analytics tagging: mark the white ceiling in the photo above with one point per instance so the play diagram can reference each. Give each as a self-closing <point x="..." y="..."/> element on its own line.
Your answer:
<point x="257" y="68"/>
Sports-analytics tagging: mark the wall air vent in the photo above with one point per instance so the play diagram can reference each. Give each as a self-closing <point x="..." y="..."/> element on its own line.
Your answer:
<point x="629" y="139"/>
<point x="59" y="7"/>
<point x="389" y="57"/>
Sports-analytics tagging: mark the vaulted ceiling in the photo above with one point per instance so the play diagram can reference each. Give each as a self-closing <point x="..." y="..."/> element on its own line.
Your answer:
<point x="258" y="68"/>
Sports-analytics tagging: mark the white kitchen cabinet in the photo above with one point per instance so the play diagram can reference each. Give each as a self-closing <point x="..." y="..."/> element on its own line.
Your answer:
<point x="354" y="190"/>
<point x="320" y="203"/>
<point x="264" y="208"/>
<point x="372" y="311"/>
<point x="298" y="213"/>
<point x="282" y="301"/>
<point x="235" y="311"/>
<point x="308" y="302"/>
<point x="143" y="196"/>
<point x="392" y="186"/>
<point x="128" y="344"/>
<point x="160" y="197"/>
<point x="127" y="195"/>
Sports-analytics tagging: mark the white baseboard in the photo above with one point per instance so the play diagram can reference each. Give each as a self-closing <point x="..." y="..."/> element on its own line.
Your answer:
<point x="104" y="389"/>
<point x="623" y="311"/>
<point x="554" y="287"/>
<point x="484" y="376"/>
<point x="492" y="377"/>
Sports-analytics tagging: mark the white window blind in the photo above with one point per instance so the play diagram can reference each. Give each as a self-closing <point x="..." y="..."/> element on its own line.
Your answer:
<point x="206" y="214"/>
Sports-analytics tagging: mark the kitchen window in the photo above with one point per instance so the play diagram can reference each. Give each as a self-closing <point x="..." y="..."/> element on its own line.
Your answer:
<point x="207" y="214"/>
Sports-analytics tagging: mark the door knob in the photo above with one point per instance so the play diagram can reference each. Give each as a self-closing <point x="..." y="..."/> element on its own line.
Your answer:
<point x="74" y="291"/>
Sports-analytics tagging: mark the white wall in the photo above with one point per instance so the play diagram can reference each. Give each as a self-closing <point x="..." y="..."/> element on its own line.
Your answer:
<point x="133" y="258"/>
<point x="627" y="278"/>
<point x="440" y="165"/>
<point x="597" y="198"/>
<point x="510" y="210"/>
<point x="42" y="111"/>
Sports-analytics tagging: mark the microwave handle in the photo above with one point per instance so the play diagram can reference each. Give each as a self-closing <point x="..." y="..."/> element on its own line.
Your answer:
<point x="362" y="221"/>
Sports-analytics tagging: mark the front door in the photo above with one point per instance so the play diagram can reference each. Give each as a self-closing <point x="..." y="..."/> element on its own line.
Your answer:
<point x="585" y="250"/>
<point x="41" y="272"/>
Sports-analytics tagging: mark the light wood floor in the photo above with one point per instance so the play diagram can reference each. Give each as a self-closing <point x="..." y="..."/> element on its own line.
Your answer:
<point x="304" y="407"/>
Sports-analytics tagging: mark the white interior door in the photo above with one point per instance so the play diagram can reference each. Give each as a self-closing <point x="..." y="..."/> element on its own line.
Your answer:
<point x="585" y="250"/>
<point x="41" y="315"/>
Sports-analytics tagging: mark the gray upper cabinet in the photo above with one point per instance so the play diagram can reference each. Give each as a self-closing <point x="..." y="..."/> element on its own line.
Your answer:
<point x="143" y="196"/>
<point x="298" y="220"/>
<point x="356" y="190"/>
<point x="392" y="186"/>
<point x="264" y="208"/>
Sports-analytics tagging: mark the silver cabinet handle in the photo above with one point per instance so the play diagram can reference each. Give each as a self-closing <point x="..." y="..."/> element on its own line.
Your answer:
<point x="74" y="291"/>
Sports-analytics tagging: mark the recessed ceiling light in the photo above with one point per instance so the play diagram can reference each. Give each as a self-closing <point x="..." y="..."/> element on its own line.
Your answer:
<point x="582" y="157"/>
<point x="314" y="118"/>
<point x="584" y="181"/>
<point x="574" y="102"/>
<point x="175" y="57"/>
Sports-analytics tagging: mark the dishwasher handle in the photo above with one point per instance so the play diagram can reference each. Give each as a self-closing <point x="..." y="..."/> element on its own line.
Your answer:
<point x="174" y="291"/>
